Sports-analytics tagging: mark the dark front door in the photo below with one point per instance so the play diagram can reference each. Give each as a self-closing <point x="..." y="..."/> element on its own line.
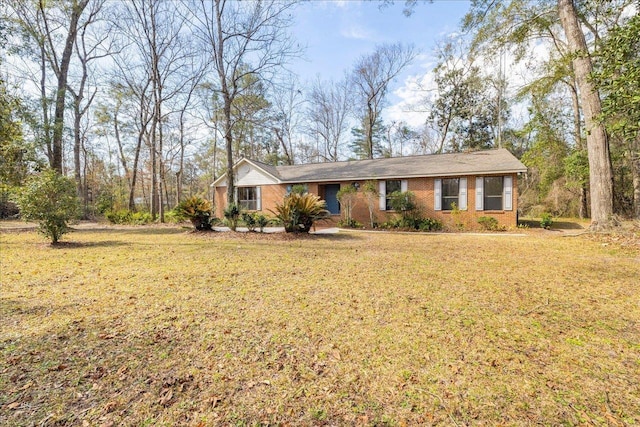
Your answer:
<point x="331" y="197"/>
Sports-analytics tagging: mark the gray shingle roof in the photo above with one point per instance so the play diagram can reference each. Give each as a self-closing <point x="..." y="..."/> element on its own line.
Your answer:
<point x="451" y="164"/>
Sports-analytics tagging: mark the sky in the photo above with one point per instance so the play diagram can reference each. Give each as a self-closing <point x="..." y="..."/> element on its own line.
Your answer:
<point x="337" y="33"/>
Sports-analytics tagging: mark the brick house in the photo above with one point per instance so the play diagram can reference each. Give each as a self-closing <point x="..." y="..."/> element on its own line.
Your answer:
<point x="480" y="183"/>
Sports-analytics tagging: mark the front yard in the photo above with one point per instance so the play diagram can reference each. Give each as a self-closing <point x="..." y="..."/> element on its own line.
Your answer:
<point x="158" y="326"/>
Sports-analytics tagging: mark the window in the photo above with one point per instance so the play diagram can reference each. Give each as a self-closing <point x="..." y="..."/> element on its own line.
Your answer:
<point x="391" y="187"/>
<point x="493" y="186"/>
<point x="248" y="198"/>
<point x="450" y="192"/>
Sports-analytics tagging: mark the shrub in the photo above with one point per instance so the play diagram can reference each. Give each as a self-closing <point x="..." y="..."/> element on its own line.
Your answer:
<point x="429" y="224"/>
<point x="350" y="223"/>
<point x="140" y="218"/>
<point x="546" y="220"/>
<point x="253" y="220"/>
<point x="298" y="212"/>
<point x="406" y="205"/>
<point x="50" y="199"/>
<point x="121" y="216"/>
<point x="262" y="221"/>
<point x="232" y="216"/>
<point x="488" y="223"/>
<point x="197" y="210"/>
<point x="250" y="220"/>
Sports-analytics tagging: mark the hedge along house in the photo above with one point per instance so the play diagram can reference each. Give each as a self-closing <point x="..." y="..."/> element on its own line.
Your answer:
<point x="480" y="183"/>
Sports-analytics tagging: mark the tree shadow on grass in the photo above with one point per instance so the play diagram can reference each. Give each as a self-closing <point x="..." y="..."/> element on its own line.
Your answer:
<point x="82" y="245"/>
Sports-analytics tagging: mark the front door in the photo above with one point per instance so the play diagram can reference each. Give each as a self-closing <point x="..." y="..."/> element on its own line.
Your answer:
<point x="331" y="197"/>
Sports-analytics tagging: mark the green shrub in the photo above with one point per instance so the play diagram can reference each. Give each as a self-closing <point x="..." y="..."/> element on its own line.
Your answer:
<point x="349" y="223"/>
<point x="546" y="220"/>
<point x="404" y="203"/>
<point x="232" y="216"/>
<point x="253" y="220"/>
<point x="140" y="218"/>
<point x="262" y="221"/>
<point x="488" y="223"/>
<point x="250" y="220"/>
<point x="298" y="212"/>
<point x="197" y="210"/>
<point x="121" y="216"/>
<point x="50" y="199"/>
<point x="429" y="224"/>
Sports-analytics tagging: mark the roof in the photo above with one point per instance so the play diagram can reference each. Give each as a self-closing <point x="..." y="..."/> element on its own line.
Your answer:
<point x="496" y="161"/>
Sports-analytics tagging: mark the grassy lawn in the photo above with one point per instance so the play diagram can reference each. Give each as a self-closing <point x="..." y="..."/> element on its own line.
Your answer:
<point x="158" y="326"/>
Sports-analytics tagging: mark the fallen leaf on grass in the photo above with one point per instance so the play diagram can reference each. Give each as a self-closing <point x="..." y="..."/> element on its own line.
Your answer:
<point x="110" y="406"/>
<point x="165" y="397"/>
<point x="104" y="336"/>
<point x="60" y="367"/>
<point x="14" y="405"/>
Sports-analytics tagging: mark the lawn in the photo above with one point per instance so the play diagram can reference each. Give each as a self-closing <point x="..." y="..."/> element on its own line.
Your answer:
<point x="158" y="326"/>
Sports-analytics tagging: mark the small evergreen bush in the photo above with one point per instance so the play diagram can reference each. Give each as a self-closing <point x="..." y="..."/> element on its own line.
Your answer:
<point x="255" y="220"/>
<point x="488" y="223"/>
<point x="430" y="224"/>
<point x="49" y="199"/>
<point x="546" y="220"/>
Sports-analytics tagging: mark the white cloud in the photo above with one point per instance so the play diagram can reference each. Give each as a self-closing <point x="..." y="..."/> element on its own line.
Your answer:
<point x="354" y="31"/>
<point x="410" y="105"/>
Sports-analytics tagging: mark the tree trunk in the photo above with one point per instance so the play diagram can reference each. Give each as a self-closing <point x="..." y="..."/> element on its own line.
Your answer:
<point x="634" y="157"/>
<point x="58" y="121"/>
<point x="76" y="154"/>
<point x="600" y="171"/>
<point x="583" y="210"/>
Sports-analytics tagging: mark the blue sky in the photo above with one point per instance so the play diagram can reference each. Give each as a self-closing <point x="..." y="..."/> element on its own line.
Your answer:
<point x="337" y="33"/>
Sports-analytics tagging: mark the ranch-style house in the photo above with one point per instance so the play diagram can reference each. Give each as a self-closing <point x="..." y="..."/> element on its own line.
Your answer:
<point x="479" y="183"/>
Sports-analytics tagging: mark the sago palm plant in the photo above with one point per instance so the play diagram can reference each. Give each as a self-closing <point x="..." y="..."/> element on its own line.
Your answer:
<point x="298" y="212"/>
<point x="197" y="210"/>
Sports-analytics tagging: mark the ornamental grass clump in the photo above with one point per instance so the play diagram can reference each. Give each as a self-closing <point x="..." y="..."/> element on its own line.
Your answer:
<point x="298" y="212"/>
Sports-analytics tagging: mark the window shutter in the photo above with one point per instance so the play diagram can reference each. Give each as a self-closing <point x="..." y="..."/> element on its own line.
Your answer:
<point x="383" y="195"/>
<point x="404" y="185"/>
<point x="462" y="194"/>
<point x="437" y="194"/>
<point x="508" y="193"/>
<point x="258" y="199"/>
<point x="235" y="195"/>
<point x="479" y="193"/>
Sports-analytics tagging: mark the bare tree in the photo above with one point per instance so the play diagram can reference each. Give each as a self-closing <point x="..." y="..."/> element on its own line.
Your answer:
<point x="371" y="77"/>
<point x="288" y="105"/>
<point x="330" y="105"/>
<point x="600" y="171"/>
<point x="154" y="31"/>
<point x="242" y="39"/>
<point x="89" y="47"/>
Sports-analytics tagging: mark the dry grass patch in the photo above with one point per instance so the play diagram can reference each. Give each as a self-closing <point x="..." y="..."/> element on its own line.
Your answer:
<point x="161" y="327"/>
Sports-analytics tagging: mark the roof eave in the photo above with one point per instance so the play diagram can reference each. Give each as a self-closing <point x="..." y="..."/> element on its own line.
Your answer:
<point x="386" y="177"/>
